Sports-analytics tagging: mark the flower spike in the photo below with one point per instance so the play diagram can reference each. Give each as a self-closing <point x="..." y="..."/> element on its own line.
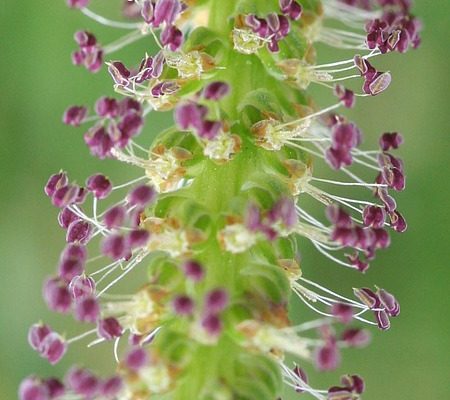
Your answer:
<point x="212" y="223"/>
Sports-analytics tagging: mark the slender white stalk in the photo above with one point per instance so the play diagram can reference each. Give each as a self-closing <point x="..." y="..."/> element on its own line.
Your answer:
<point x="306" y="326"/>
<point x="123" y="41"/>
<point x="328" y="255"/>
<point x="128" y="269"/>
<point x="82" y="336"/>
<point x="130" y="183"/>
<point x="349" y="183"/>
<point x="108" y="22"/>
<point x="311" y="116"/>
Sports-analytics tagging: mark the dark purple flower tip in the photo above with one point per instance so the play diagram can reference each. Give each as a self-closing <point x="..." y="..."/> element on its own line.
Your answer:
<point x="193" y="270"/>
<point x="189" y="115"/>
<point x="66" y="217"/>
<point x="99" y="185"/>
<point x="75" y="115"/>
<point x="358" y="263"/>
<point x="216" y="300"/>
<point x="100" y="141"/>
<point x="36" y="334"/>
<point x="78" y="58"/>
<point x="147" y="11"/>
<point x="135" y="216"/>
<point x="327" y="357"/>
<point x="145" y="70"/>
<point x="85" y="40"/>
<point x="273" y="21"/>
<point x="172" y="37"/>
<point x="81" y="286"/>
<point x="111" y="387"/>
<point x="136" y="359"/>
<point x="107" y="107"/>
<point x="70" y="267"/>
<point x="398" y="222"/>
<point x="273" y="45"/>
<point x="253" y="218"/>
<point x="55" y="387"/>
<point x="165" y="88"/>
<point x="128" y="105"/>
<point x="291" y="8"/>
<point x="120" y="75"/>
<point x="285" y="27"/>
<point x="53" y="348"/>
<point x="78" y="3"/>
<point x="183" y="305"/>
<point x="338" y="217"/>
<point x="94" y="61"/>
<point x="130" y="126"/>
<point x="390" y="141"/>
<point x="368" y="297"/>
<point x="353" y="382"/>
<point x="355" y="337"/>
<point x="366" y="237"/>
<point x="56" y="182"/>
<point x="74" y="251"/>
<point x="382" y="319"/>
<point x="337" y="158"/>
<point x="114" y="217"/>
<point x="382" y="238"/>
<point x="345" y="135"/>
<point x="158" y="64"/>
<point x="83" y="382"/>
<point x="377" y="85"/>
<point x="79" y="232"/>
<point x="109" y="328"/>
<point x="57" y="296"/>
<point x="142" y="196"/>
<point x="212" y="324"/>
<point x="32" y="388"/>
<point x="389" y="302"/>
<point x="166" y="11"/>
<point x="65" y="196"/>
<point x="339" y="393"/>
<point x="346" y="96"/>
<point x="392" y="171"/>
<point x="284" y="211"/>
<point x="216" y="90"/>
<point x="374" y="216"/>
<point x="209" y="129"/>
<point x="364" y="67"/>
<point x="343" y="312"/>
<point x="345" y="236"/>
<point x="138" y="238"/>
<point x="81" y="196"/>
<point x="115" y="246"/>
<point x="300" y="372"/>
<point x="388" y="201"/>
<point x="87" y="309"/>
<point x="253" y="22"/>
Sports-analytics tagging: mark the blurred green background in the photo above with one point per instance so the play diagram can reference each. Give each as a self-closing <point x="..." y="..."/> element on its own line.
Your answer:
<point x="37" y="82"/>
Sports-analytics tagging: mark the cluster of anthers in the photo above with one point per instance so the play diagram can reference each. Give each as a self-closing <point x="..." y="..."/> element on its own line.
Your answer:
<point x="219" y="205"/>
